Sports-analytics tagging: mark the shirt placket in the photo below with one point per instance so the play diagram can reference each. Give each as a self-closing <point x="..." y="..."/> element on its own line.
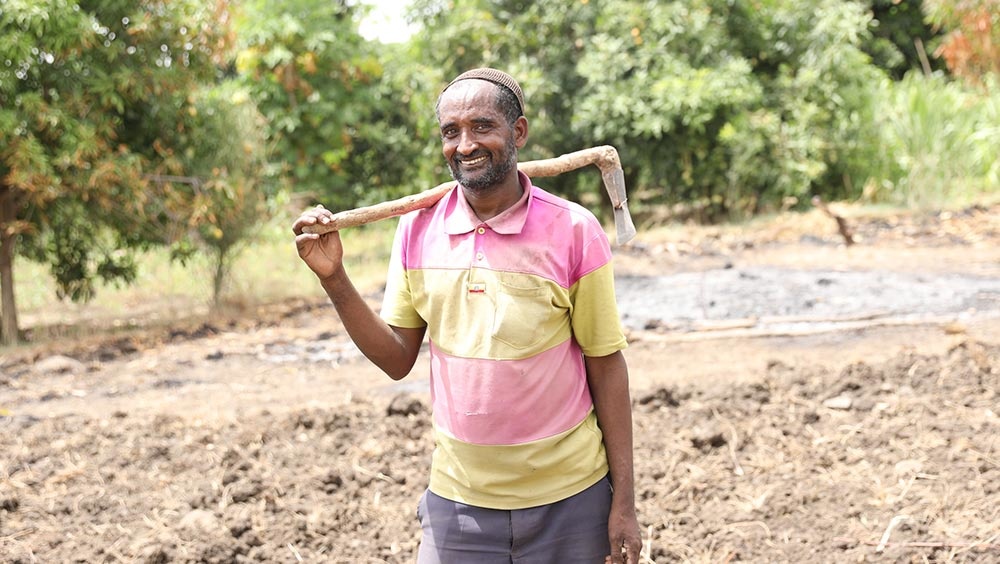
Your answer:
<point x="476" y="284"/>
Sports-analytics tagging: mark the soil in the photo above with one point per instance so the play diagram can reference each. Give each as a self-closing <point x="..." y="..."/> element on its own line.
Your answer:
<point x="795" y="400"/>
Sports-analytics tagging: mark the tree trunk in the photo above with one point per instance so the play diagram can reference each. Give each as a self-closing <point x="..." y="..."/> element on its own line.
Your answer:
<point x="218" y="279"/>
<point x="9" y="331"/>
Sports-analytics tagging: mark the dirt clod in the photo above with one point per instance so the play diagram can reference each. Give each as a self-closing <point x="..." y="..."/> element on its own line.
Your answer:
<point x="404" y="406"/>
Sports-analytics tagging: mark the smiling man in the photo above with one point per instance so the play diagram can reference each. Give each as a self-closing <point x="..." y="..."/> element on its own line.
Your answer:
<point x="513" y="287"/>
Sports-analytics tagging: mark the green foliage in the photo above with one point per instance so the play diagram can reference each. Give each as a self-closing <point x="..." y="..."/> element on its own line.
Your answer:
<point x="730" y="105"/>
<point x="937" y="144"/>
<point x="225" y="189"/>
<point x="80" y="252"/>
<point x="662" y="83"/>
<point x="338" y="127"/>
<point x="395" y="148"/>
<point x="901" y="40"/>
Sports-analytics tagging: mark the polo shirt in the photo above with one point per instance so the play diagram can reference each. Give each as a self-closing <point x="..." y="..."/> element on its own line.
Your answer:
<point x="511" y="306"/>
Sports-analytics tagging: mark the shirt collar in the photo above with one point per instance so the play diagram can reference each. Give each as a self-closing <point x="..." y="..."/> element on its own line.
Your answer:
<point x="460" y="217"/>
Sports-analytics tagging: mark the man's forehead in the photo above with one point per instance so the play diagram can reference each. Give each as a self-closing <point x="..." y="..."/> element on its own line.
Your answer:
<point x="498" y="77"/>
<point x="471" y="89"/>
<point x="469" y="97"/>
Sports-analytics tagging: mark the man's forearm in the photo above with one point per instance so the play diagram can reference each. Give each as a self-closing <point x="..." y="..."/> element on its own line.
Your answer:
<point x="608" y="380"/>
<point x="394" y="350"/>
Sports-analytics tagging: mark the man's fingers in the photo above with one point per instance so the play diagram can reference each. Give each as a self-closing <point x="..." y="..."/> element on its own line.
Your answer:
<point x="319" y="214"/>
<point x="302" y="241"/>
<point x="300" y="223"/>
<point x="633" y="554"/>
<point x="633" y="547"/>
<point x="307" y="218"/>
<point x="322" y="214"/>
<point x="617" y="551"/>
<point x="627" y="553"/>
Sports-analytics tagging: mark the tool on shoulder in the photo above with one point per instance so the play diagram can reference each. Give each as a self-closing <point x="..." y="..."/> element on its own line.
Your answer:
<point x="604" y="157"/>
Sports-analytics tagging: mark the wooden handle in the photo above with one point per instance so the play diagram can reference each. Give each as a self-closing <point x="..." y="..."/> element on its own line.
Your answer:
<point x="605" y="157"/>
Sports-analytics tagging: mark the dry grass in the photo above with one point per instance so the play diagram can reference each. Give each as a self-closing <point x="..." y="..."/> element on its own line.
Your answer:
<point x="266" y="272"/>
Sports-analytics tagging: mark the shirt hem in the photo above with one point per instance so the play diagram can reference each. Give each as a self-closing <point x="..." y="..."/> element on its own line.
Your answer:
<point x="492" y="503"/>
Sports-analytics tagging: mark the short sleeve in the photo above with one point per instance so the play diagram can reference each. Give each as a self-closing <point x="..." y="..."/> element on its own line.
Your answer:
<point x="597" y="326"/>
<point x="397" y="305"/>
<point x="596" y="323"/>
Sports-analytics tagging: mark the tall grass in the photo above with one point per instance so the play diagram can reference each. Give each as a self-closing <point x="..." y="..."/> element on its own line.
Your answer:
<point x="938" y="143"/>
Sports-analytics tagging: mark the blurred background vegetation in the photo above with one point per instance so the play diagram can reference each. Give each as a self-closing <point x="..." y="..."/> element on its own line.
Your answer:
<point x="140" y="135"/>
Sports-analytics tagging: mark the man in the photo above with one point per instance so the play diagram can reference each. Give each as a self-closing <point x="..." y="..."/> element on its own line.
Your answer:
<point x="514" y="286"/>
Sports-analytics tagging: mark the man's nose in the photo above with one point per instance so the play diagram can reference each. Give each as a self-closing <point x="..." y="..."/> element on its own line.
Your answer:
<point x="467" y="143"/>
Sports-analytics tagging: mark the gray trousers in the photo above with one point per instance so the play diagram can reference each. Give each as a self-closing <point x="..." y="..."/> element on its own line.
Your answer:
<point x="574" y="530"/>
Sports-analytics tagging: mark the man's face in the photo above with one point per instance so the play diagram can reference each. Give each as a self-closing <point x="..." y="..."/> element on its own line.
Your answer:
<point x="477" y="141"/>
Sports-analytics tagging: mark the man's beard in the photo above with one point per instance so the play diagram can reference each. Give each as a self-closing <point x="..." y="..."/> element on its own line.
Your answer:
<point x="494" y="173"/>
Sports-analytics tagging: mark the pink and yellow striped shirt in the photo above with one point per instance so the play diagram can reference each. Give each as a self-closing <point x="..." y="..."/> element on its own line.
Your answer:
<point x="511" y="305"/>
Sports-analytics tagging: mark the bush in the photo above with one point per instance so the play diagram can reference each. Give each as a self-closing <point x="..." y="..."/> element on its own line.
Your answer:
<point x="737" y="105"/>
<point x="938" y="143"/>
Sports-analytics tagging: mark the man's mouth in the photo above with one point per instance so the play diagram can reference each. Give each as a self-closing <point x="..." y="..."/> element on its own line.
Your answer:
<point x="473" y="162"/>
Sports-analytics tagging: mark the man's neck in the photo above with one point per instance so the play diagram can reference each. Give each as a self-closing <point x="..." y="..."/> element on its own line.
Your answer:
<point x="493" y="201"/>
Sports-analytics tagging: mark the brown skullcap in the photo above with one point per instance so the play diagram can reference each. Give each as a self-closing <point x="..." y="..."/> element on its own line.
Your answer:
<point x="496" y="77"/>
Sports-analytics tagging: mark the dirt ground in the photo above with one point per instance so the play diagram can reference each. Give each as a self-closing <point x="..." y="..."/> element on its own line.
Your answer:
<point x="795" y="400"/>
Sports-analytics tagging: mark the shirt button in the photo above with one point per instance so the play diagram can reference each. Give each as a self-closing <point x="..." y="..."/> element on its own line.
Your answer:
<point x="481" y="230"/>
<point x="479" y="256"/>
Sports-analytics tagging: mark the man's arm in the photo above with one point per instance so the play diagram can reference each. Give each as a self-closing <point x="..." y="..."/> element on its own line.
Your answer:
<point x="393" y="349"/>
<point x="608" y="380"/>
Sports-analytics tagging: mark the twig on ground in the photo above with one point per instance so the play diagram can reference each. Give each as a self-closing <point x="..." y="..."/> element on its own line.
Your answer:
<point x="922" y="544"/>
<point x="647" y="546"/>
<point x="888" y="531"/>
<point x="845" y="230"/>
<point x="764" y="332"/>
<point x="737" y="469"/>
<point x="761" y="524"/>
<point x="371" y="473"/>
<point x="18" y="534"/>
<point x="295" y="552"/>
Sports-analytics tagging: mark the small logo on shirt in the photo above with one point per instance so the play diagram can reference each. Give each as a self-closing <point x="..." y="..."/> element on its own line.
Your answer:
<point x="477" y="288"/>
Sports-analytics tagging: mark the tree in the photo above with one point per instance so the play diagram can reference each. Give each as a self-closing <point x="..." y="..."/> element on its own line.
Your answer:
<point x="971" y="47"/>
<point x="89" y="94"/>
<point x="339" y="128"/>
<point x="224" y="187"/>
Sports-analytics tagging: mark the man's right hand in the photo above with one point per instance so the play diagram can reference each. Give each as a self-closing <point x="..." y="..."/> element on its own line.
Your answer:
<point x="324" y="254"/>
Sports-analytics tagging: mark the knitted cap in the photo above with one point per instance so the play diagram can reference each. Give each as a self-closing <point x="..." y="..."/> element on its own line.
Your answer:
<point x="496" y="77"/>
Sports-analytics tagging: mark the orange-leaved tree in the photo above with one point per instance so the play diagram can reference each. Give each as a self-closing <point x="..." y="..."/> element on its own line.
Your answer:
<point x="91" y="95"/>
<point x="971" y="47"/>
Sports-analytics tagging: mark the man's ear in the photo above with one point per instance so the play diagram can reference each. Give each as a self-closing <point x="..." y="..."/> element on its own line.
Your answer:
<point x="520" y="132"/>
